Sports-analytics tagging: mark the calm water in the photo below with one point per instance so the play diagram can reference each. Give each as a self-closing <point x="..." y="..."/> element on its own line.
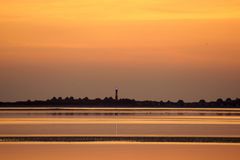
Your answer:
<point x="124" y="151"/>
<point x="119" y="122"/>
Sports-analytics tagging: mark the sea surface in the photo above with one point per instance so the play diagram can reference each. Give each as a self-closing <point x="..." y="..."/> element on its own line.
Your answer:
<point x="118" y="122"/>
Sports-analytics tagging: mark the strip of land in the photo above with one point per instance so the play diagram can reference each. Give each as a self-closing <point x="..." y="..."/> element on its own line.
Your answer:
<point x="120" y="139"/>
<point x="125" y="102"/>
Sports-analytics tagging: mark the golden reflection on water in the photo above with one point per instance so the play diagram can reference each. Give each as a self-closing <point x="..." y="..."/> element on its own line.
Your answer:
<point x="123" y="127"/>
<point x="138" y="122"/>
<point x="28" y="123"/>
<point x="127" y="120"/>
<point x="118" y="151"/>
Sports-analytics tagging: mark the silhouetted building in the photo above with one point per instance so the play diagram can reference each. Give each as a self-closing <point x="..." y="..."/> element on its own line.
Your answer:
<point x="116" y="94"/>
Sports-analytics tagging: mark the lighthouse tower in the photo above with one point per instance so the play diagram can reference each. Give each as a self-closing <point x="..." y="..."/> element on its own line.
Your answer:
<point x="116" y="94"/>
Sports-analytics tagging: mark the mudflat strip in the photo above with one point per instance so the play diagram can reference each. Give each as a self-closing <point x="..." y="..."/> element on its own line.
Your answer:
<point x="120" y="139"/>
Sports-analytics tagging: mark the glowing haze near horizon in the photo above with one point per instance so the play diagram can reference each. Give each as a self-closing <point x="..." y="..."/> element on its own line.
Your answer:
<point x="160" y="50"/>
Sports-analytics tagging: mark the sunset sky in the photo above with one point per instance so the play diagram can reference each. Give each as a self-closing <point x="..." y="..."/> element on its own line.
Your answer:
<point x="149" y="49"/>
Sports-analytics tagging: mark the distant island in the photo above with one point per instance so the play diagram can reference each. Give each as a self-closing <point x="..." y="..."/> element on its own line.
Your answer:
<point x="125" y="102"/>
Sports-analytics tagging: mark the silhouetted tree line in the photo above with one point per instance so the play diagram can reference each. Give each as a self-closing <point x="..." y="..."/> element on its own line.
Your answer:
<point x="110" y="102"/>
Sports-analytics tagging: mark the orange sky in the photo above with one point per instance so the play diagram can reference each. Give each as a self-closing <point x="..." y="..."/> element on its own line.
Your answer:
<point x="149" y="49"/>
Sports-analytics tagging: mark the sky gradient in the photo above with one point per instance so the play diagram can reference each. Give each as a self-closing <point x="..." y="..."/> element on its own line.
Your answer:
<point x="159" y="50"/>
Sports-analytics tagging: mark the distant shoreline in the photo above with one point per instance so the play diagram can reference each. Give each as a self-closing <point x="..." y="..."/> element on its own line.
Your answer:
<point x="109" y="102"/>
<point x="121" y="139"/>
<point x="53" y="107"/>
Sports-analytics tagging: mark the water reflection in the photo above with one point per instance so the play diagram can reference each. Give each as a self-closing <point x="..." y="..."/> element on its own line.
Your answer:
<point x="118" y="151"/>
<point x="28" y="112"/>
<point x="124" y="122"/>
